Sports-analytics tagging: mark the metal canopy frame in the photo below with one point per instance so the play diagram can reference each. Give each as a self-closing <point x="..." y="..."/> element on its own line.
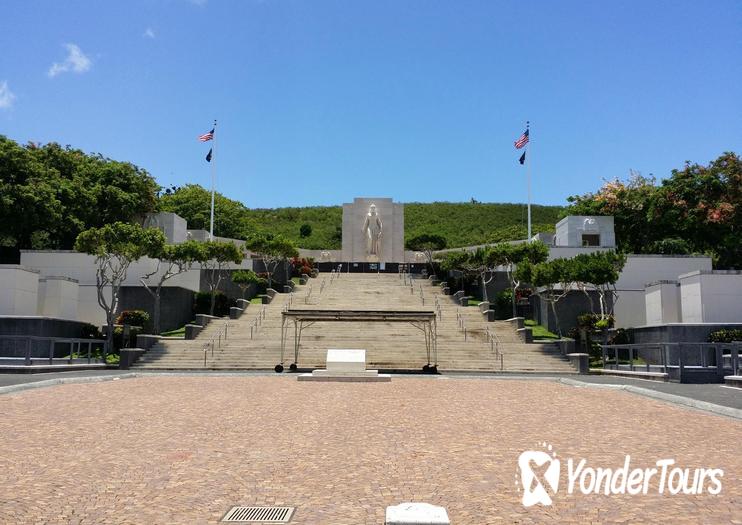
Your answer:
<point x="423" y="320"/>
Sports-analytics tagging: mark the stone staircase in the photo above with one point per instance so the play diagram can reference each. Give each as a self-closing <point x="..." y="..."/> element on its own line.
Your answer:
<point x="466" y="342"/>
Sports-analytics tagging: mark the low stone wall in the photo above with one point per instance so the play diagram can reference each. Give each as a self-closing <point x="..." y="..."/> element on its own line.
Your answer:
<point x="176" y="304"/>
<point x="679" y="332"/>
<point x="40" y="327"/>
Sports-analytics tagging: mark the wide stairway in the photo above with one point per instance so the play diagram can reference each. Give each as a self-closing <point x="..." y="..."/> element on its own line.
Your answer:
<point x="465" y="340"/>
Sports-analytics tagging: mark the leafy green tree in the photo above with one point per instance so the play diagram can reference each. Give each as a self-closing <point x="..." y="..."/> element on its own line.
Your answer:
<point x="702" y="205"/>
<point x="305" y="230"/>
<point x="115" y="246"/>
<point x="427" y="243"/>
<point x="511" y="255"/>
<point x="696" y="210"/>
<point x="597" y="271"/>
<point x="459" y="261"/>
<point x="49" y="194"/>
<point x="244" y="278"/>
<point x="215" y="257"/>
<point x="553" y="281"/>
<point x="29" y="210"/>
<point x="172" y="260"/>
<point x="193" y="203"/>
<point x="273" y="250"/>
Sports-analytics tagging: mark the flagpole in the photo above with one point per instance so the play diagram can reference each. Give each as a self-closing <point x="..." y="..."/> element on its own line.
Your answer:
<point x="213" y="183"/>
<point x="528" y="176"/>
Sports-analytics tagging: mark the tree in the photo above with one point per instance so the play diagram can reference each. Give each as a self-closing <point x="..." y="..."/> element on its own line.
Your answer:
<point x="244" y="278"/>
<point x="29" y="209"/>
<point x="193" y="203"/>
<point x="272" y="249"/>
<point x="172" y="259"/>
<point x="115" y="246"/>
<point x="427" y="243"/>
<point x="555" y="279"/>
<point x="215" y="257"/>
<point x="629" y="203"/>
<point x="305" y="230"/>
<point x="698" y="209"/>
<point x="511" y="255"/>
<point x="702" y="205"/>
<point x="602" y="271"/>
<point x="49" y="194"/>
<point x="458" y="261"/>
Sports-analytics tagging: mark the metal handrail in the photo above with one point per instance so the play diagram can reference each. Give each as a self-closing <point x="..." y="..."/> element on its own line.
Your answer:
<point x="666" y="355"/>
<point x="215" y="338"/>
<point x="53" y="341"/>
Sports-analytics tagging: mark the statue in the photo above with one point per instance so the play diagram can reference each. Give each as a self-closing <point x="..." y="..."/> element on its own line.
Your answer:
<point x="372" y="229"/>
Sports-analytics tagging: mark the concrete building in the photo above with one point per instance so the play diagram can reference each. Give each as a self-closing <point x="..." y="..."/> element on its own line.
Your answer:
<point x="61" y="284"/>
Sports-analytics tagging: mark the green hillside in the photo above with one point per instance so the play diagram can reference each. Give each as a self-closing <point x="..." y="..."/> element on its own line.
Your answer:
<point x="461" y="223"/>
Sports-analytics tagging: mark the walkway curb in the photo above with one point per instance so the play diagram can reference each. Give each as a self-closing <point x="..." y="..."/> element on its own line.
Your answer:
<point x="673" y="399"/>
<point x="62" y="381"/>
<point x="662" y="396"/>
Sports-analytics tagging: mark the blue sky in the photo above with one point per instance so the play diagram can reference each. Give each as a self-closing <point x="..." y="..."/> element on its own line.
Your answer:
<point x="322" y="101"/>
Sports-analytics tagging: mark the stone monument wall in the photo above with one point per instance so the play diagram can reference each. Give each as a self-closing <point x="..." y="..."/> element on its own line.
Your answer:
<point x="355" y="240"/>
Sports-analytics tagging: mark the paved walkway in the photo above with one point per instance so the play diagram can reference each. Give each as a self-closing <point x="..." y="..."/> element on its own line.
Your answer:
<point x="184" y="449"/>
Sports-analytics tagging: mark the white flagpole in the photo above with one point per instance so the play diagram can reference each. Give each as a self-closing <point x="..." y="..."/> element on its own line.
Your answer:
<point x="213" y="183"/>
<point x="528" y="176"/>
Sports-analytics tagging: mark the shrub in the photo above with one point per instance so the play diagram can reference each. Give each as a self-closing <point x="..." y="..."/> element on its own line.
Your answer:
<point x="118" y="338"/>
<point x="133" y="318"/>
<point x="305" y="270"/>
<point x="503" y="304"/>
<point x="725" y="336"/>
<point x="621" y="337"/>
<point x="592" y="321"/>
<point x="89" y="331"/>
<point x="222" y="304"/>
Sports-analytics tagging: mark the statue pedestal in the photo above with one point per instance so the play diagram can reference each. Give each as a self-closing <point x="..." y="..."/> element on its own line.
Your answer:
<point x="372" y="258"/>
<point x="345" y="365"/>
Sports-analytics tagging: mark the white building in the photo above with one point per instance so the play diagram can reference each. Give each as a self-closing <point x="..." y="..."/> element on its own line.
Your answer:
<point x="62" y="283"/>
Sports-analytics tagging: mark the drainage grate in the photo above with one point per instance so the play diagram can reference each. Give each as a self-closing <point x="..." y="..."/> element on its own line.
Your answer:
<point x="259" y="515"/>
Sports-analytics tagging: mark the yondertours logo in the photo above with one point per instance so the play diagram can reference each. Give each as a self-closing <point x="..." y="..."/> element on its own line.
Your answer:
<point x="539" y="472"/>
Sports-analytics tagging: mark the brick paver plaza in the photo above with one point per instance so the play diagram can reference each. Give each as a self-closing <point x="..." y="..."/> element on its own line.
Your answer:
<point x="185" y="449"/>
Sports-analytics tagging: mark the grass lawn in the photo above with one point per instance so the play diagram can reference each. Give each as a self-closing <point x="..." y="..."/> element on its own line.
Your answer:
<point x="178" y="332"/>
<point x="256" y="300"/>
<point x="540" y="332"/>
<point x="295" y="280"/>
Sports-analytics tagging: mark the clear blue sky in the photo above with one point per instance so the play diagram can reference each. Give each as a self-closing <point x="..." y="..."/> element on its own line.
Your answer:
<point x="322" y="101"/>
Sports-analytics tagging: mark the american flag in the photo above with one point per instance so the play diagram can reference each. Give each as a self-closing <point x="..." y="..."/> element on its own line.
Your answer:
<point x="207" y="136"/>
<point x="523" y="140"/>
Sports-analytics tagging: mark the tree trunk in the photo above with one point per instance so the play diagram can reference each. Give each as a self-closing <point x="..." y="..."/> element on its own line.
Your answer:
<point x="156" y="316"/>
<point x="109" y="337"/>
<point x="515" y="304"/>
<point x="556" y="319"/>
<point x="213" y="300"/>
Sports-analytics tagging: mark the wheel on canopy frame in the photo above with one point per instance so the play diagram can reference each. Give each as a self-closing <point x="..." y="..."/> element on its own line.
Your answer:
<point x="293" y="367"/>
<point x="278" y="369"/>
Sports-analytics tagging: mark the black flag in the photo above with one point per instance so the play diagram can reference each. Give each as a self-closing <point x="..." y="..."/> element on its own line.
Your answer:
<point x="522" y="158"/>
<point x="208" y="156"/>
